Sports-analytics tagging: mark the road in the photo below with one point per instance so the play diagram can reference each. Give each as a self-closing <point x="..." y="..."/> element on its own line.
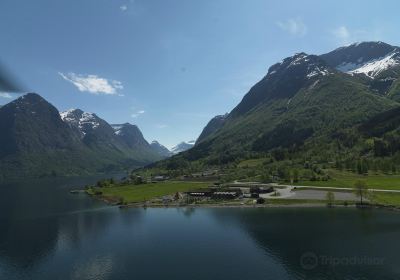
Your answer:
<point x="336" y="188"/>
<point x="309" y="192"/>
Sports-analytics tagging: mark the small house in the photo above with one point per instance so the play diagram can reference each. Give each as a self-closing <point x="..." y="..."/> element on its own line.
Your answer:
<point x="200" y="193"/>
<point x="226" y="194"/>
<point x="160" y="178"/>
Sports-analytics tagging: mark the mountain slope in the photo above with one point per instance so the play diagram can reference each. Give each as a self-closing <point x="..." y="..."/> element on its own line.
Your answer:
<point x="181" y="147"/>
<point x="160" y="149"/>
<point x="132" y="138"/>
<point x="213" y="125"/>
<point x="283" y="80"/>
<point x="91" y="129"/>
<point x="365" y="57"/>
<point x="377" y="63"/>
<point x="37" y="140"/>
<point x="299" y="108"/>
<point x="114" y="142"/>
<point x="34" y="139"/>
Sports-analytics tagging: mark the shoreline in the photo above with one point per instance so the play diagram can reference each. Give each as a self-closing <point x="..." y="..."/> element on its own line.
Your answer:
<point x="265" y="205"/>
<point x="300" y="205"/>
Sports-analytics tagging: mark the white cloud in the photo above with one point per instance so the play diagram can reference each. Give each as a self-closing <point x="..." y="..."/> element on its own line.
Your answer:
<point x="161" y="126"/>
<point x="294" y="26"/>
<point x="93" y="84"/>
<point x="123" y="8"/>
<point x="138" y="113"/>
<point x="342" y="33"/>
<point x="5" y="95"/>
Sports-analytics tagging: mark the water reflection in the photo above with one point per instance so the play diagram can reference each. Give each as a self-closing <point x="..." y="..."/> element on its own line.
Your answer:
<point x="47" y="233"/>
<point x="345" y="242"/>
<point x="40" y="217"/>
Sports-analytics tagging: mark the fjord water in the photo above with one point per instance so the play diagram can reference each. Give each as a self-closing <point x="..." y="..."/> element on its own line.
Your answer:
<point x="47" y="233"/>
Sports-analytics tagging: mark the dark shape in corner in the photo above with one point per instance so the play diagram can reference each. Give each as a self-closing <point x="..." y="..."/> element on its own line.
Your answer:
<point x="8" y="82"/>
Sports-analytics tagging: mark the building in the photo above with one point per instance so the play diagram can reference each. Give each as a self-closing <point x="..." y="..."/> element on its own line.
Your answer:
<point x="200" y="193"/>
<point x="228" y="194"/>
<point x="159" y="178"/>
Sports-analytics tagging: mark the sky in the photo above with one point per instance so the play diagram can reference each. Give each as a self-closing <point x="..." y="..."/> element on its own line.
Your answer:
<point x="169" y="66"/>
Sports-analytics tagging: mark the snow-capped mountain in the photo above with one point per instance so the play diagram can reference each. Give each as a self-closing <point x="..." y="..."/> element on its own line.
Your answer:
<point x="373" y="67"/>
<point x="183" y="146"/>
<point x="117" y="128"/>
<point x="313" y="66"/>
<point x="284" y="79"/>
<point x="98" y="134"/>
<point x="37" y="140"/>
<point x="367" y="58"/>
<point x="131" y="135"/>
<point x="82" y="122"/>
<point x="160" y="149"/>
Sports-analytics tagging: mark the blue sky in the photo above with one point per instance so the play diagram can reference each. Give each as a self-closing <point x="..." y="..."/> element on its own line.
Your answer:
<point x="169" y="66"/>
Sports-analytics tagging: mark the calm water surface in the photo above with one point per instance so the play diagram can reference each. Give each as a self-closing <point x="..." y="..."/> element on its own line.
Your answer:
<point x="47" y="233"/>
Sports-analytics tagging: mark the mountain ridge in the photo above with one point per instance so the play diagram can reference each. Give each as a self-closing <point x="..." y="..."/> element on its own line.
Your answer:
<point x="300" y="106"/>
<point x="38" y="140"/>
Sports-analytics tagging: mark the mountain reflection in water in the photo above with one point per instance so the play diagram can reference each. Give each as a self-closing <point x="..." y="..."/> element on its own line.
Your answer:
<point x="47" y="233"/>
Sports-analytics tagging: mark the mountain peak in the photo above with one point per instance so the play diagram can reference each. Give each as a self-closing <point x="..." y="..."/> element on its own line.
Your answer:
<point x="130" y="134"/>
<point x="30" y="98"/>
<point x="212" y="126"/>
<point x="368" y="58"/>
<point x="368" y="44"/>
<point x="32" y="104"/>
<point x="183" y="146"/>
<point x="125" y="128"/>
<point x="283" y="80"/>
<point x="32" y="95"/>
<point x="83" y="121"/>
<point x="160" y="149"/>
<point x="300" y="64"/>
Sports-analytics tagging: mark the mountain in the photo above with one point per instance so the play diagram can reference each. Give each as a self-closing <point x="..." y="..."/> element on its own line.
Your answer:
<point x="89" y="127"/>
<point x="118" y="140"/>
<point x="377" y="63"/>
<point x="183" y="146"/>
<point x="34" y="139"/>
<point x="130" y="135"/>
<point x="216" y="123"/>
<point x="368" y="58"/>
<point x="305" y="107"/>
<point x="160" y="149"/>
<point x="284" y="80"/>
<point x="37" y="140"/>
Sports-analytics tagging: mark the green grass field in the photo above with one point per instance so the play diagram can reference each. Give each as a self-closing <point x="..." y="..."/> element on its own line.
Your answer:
<point x="346" y="180"/>
<point x="386" y="198"/>
<point x="140" y="193"/>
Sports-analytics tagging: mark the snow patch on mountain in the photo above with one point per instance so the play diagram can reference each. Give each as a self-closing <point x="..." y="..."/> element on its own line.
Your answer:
<point x="323" y="71"/>
<point x="298" y="58"/>
<point x="80" y="119"/>
<point x="117" y="128"/>
<point x="183" y="146"/>
<point x="314" y="68"/>
<point x="373" y="67"/>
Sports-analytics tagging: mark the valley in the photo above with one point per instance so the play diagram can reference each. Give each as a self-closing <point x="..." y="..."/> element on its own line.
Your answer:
<point x="204" y="140"/>
<point x="313" y="121"/>
<point x="319" y="124"/>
